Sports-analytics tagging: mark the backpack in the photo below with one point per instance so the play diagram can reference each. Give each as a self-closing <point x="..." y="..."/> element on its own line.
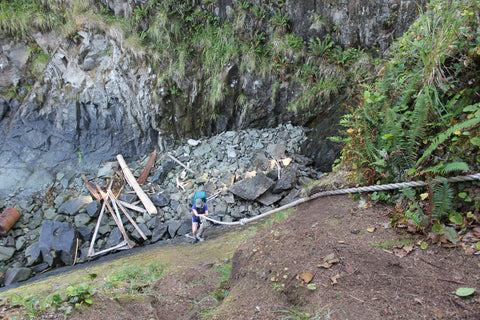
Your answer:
<point x="198" y="195"/>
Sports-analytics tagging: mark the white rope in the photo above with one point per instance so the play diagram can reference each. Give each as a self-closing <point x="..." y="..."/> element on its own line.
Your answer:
<point x="391" y="186"/>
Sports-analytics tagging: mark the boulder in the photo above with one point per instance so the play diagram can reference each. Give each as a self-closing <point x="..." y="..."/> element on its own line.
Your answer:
<point x="84" y="233"/>
<point x="92" y="208"/>
<point x="253" y="187"/>
<point x="268" y="198"/>
<point x="153" y="223"/>
<point x="159" y="232"/>
<point x="287" y="179"/>
<point x="6" y="253"/>
<point x="136" y="235"/>
<point x="81" y="219"/>
<point x="162" y="172"/>
<point x="33" y="254"/>
<point x="114" y="238"/>
<point x="73" y="206"/>
<point x="14" y="275"/>
<point x="57" y="242"/>
<point x="160" y="199"/>
<point x="185" y="227"/>
<point x="173" y="227"/>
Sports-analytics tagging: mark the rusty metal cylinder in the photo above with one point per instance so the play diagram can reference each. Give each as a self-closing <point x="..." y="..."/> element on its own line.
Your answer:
<point x="7" y="219"/>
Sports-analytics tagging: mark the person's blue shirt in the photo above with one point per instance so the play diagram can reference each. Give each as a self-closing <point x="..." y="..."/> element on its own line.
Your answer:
<point x="201" y="210"/>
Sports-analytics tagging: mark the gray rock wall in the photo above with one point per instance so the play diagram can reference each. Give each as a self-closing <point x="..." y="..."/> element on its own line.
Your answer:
<point x="96" y="100"/>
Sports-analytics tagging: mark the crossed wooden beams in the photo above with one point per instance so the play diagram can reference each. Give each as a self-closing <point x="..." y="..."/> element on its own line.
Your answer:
<point x="119" y="206"/>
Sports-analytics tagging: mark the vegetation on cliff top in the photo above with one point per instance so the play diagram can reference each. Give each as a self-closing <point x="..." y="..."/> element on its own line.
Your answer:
<point x="180" y="40"/>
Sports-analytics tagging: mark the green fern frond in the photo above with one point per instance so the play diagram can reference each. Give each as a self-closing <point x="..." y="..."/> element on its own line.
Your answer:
<point x="409" y="193"/>
<point x="446" y="135"/>
<point x="416" y="216"/>
<point x="442" y="199"/>
<point x="417" y="129"/>
<point x="444" y="168"/>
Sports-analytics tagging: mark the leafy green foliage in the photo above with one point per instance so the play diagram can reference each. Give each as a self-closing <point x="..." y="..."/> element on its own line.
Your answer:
<point x="79" y="295"/>
<point x="420" y="119"/>
<point x="442" y="198"/>
<point x="419" y="103"/>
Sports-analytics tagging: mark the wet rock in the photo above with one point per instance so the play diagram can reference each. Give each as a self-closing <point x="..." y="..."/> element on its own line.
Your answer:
<point x="73" y="206"/>
<point x="14" y="275"/>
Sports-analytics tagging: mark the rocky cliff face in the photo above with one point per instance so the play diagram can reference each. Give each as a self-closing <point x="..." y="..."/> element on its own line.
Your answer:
<point x="95" y="99"/>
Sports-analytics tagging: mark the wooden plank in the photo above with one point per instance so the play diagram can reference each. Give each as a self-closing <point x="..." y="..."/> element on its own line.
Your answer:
<point x="118" y="221"/>
<point x="131" y="206"/>
<point x="149" y="206"/>
<point x="91" y="187"/>
<point x="180" y="163"/>
<point x="121" y="246"/>
<point x="148" y="167"/>
<point x="92" y="243"/>
<point x="114" y="199"/>
<point x="91" y="251"/>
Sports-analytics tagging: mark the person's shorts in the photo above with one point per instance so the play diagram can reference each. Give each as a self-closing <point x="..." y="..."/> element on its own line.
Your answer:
<point x="195" y="219"/>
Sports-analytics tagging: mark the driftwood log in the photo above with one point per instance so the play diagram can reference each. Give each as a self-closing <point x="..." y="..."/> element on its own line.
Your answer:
<point x="148" y="167"/>
<point x="149" y="206"/>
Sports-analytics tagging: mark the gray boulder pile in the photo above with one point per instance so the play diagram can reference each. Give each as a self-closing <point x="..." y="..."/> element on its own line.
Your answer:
<point x="244" y="173"/>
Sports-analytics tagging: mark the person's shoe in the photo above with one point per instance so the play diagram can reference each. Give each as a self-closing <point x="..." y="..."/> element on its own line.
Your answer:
<point x="200" y="238"/>
<point x="195" y="240"/>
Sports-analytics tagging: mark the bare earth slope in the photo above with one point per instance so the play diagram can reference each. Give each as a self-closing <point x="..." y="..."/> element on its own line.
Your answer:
<point x="357" y="268"/>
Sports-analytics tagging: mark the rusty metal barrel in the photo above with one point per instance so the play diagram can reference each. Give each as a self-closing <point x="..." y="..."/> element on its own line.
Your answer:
<point x="7" y="219"/>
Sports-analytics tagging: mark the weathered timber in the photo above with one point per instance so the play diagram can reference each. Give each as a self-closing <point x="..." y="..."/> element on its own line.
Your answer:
<point x="148" y="167"/>
<point x="149" y="206"/>
<point x="115" y="200"/>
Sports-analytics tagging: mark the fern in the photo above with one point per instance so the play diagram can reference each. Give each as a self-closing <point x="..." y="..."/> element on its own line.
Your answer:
<point x="409" y="193"/>
<point x="415" y="215"/>
<point x="444" y="136"/>
<point x="441" y="199"/>
<point x="444" y="168"/>
<point x="417" y="129"/>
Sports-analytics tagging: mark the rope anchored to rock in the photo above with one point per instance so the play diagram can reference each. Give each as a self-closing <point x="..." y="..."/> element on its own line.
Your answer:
<point x="384" y="187"/>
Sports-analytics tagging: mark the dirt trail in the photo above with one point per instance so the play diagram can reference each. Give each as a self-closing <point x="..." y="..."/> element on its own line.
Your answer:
<point x="357" y="268"/>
